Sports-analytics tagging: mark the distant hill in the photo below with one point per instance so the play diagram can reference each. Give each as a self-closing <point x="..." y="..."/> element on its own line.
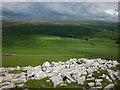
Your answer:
<point x="59" y="37"/>
<point x="63" y="28"/>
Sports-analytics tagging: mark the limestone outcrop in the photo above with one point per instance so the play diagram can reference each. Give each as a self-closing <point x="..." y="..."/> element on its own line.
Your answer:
<point x="73" y="70"/>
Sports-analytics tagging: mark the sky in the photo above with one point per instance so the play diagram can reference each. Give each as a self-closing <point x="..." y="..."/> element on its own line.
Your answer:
<point x="60" y="10"/>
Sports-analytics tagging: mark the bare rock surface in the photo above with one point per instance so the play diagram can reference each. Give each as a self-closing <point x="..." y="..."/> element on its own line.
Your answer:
<point x="71" y="71"/>
<point x="91" y="84"/>
<point x="108" y="86"/>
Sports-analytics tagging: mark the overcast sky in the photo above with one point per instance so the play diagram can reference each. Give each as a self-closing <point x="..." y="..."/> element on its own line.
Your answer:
<point x="60" y="10"/>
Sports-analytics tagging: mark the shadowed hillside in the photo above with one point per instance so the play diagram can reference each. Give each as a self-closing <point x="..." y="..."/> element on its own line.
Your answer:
<point x="62" y="28"/>
<point x="52" y="37"/>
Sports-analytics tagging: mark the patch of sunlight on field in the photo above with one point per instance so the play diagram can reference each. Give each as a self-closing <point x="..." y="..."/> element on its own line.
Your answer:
<point x="46" y="37"/>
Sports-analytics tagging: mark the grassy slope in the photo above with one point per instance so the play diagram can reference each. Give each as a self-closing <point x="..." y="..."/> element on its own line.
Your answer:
<point x="32" y="37"/>
<point x="13" y="61"/>
<point x="65" y="29"/>
<point x="95" y="47"/>
<point x="26" y="38"/>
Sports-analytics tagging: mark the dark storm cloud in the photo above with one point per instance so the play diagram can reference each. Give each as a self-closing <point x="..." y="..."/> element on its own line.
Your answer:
<point x="66" y="10"/>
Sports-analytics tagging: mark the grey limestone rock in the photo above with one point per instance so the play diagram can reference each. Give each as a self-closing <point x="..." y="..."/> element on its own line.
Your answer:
<point x="20" y="85"/>
<point x="80" y="80"/>
<point x="108" y="86"/>
<point x="91" y="84"/>
<point x="73" y="70"/>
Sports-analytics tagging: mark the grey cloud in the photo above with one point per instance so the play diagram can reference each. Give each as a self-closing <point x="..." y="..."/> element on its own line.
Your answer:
<point x="66" y="10"/>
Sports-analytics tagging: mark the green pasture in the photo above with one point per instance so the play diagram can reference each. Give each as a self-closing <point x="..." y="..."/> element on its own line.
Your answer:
<point x="52" y="45"/>
<point x="80" y="39"/>
<point x="13" y="61"/>
<point x="42" y="37"/>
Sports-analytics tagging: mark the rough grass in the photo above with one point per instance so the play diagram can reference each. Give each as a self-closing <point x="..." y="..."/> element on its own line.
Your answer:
<point x="16" y="71"/>
<point x="43" y="84"/>
<point x="38" y="84"/>
<point x="75" y="85"/>
<point x="3" y="85"/>
<point x="1" y="75"/>
<point x="105" y="82"/>
<point x="96" y="75"/>
<point x="115" y="68"/>
<point x="22" y="61"/>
